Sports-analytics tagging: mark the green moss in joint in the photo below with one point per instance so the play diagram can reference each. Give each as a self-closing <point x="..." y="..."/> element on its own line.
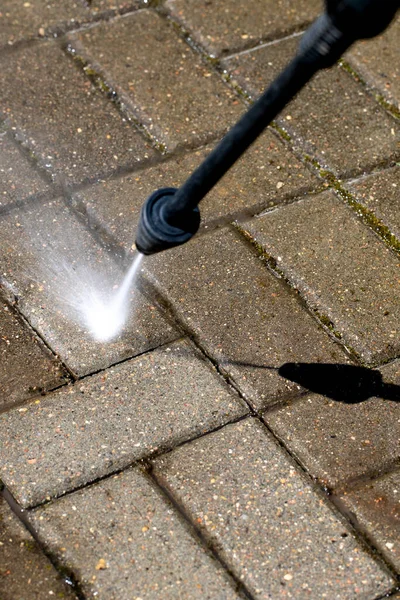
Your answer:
<point x="282" y="132"/>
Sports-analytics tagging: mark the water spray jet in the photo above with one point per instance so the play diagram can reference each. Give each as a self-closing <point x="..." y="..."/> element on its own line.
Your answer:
<point x="170" y="217"/>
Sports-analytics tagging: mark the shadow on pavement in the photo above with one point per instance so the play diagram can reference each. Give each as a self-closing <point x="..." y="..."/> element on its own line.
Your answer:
<point x="344" y="383"/>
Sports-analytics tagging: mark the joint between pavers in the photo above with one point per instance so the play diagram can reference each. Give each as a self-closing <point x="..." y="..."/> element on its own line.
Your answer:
<point x="271" y="263"/>
<point x="359" y="481"/>
<point x="99" y="81"/>
<point x="139" y="462"/>
<point x="181" y="324"/>
<point x="200" y="537"/>
<point x="366" y="215"/>
<point x="364" y="537"/>
<point x="67" y="576"/>
<point x="372" y="91"/>
<point x="336" y="506"/>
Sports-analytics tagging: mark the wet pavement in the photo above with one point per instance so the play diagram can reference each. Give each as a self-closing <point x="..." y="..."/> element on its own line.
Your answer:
<point x="241" y="437"/>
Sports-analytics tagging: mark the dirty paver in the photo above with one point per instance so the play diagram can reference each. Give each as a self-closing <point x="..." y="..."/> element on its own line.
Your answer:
<point x="267" y="175"/>
<point x="380" y="193"/>
<point x="265" y="519"/>
<point x="339" y="437"/>
<point x="55" y="279"/>
<point x="36" y="18"/>
<point x="376" y="507"/>
<point x="101" y="103"/>
<point x="107" y="421"/>
<point x="25" y="572"/>
<point x="20" y="347"/>
<point x="240" y="313"/>
<point x="228" y="26"/>
<point x="333" y="118"/>
<point x="115" y="6"/>
<point x="18" y="178"/>
<point x="74" y="131"/>
<point x="176" y="95"/>
<point x="377" y="61"/>
<point x="341" y="267"/>
<point x="157" y="556"/>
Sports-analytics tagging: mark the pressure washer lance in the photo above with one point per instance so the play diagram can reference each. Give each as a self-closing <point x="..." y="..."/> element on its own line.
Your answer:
<point x="170" y="216"/>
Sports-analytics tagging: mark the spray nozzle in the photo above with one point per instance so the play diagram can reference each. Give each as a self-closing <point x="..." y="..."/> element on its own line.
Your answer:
<point x="162" y="225"/>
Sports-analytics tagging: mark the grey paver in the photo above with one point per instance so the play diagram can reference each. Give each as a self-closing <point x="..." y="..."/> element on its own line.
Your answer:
<point x="56" y="269"/>
<point x="341" y="268"/>
<point x="19" y="347"/>
<point x="264" y="518"/>
<point x="377" y="61"/>
<point x="229" y="25"/>
<point x="114" y="6"/>
<point x="340" y="440"/>
<point x="267" y="175"/>
<point x="24" y="20"/>
<point x="157" y="555"/>
<point x="71" y="128"/>
<point x="109" y="420"/>
<point x="179" y="98"/>
<point x="376" y="506"/>
<point x="333" y="117"/>
<point x="244" y="317"/>
<point x="25" y="572"/>
<point x="18" y="179"/>
<point x="381" y="194"/>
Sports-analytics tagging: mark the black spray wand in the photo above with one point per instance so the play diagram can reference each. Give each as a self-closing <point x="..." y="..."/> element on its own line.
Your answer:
<point x="170" y="216"/>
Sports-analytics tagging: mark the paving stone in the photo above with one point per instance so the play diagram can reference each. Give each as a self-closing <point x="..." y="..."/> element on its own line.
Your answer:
<point x="265" y="519"/>
<point x="19" y="347"/>
<point x="378" y="62"/>
<point x="19" y="20"/>
<point x="18" y="179"/>
<point x="107" y="421"/>
<point x="267" y="175"/>
<point x="341" y="268"/>
<point x="72" y="129"/>
<point x="114" y="6"/>
<point x="57" y="271"/>
<point x="25" y="572"/>
<point x="157" y="557"/>
<point x="333" y="117"/>
<point x="376" y="506"/>
<point x="240" y="313"/>
<point x="340" y="438"/>
<point x="381" y="193"/>
<point x="176" y="95"/>
<point x="227" y="25"/>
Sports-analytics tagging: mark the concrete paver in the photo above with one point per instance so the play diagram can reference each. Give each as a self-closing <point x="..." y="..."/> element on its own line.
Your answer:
<point x="377" y="61"/>
<point x="125" y="542"/>
<point x="114" y="6"/>
<point x="176" y="95"/>
<point x="22" y="20"/>
<point x="341" y="268"/>
<point x="333" y="118"/>
<point x="264" y="518"/>
<point x="20" y="347"/>
<point x="54" y="279"/>
<point x="340" y="440"/>
<point x="109" y="420"/>
<point x="70" y="127"/>
<point x="376" y="506"/>
<point x="380" y="193"/>
<point x="25" y="572"/>
<point x="267" y="175"/>
<point x="18" y="179"/>
<point x="241" y="314"/>
<point x="227" y="25"/>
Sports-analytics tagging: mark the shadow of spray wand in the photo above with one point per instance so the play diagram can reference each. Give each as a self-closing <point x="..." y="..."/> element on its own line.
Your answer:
<point x="171" y="216"/>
